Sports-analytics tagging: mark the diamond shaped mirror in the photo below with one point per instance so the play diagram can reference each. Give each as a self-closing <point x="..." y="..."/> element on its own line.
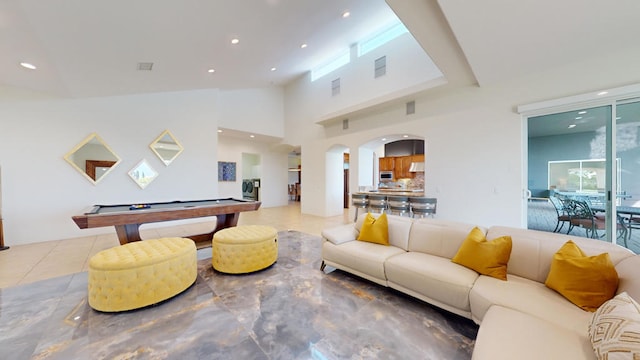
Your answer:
<point x="167" y="147"/>
<point x="92" y="158"/>
<point x="143" y="174"/>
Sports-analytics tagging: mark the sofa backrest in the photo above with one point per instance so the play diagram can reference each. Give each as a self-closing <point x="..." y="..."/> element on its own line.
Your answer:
<point x="532" y="250"/>
<point x="439" y="237"/>
<point x="628" y="270"/>
<point x="399" y="228"/>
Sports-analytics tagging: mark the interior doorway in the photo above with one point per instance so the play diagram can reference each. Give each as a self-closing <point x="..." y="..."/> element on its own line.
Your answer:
<point x="346" y="179"/>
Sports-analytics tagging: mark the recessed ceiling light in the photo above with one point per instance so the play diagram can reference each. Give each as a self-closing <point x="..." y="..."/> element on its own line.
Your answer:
<point x="252" y="136"/>
<point x="603" y="93"/>
<point x="578" y="117"/>
<point x="582" y="112"/>
<point x="273" y="69"/>
<point x="405" y="136"/>
<point x="346" y="14"/>
<point x="303" y="46"/>
<point x="235" y="41"/>
<point x="219" y="130"/>
<point x="384" y="139"/>
<point x="28" y="66"/>
<point x="572" y="126"/>
<point x="211" y="70"/>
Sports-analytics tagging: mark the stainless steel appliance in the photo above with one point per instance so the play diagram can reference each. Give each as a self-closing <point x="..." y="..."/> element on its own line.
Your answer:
<point x="250" y="189"/>
<point x="386" y="176"/>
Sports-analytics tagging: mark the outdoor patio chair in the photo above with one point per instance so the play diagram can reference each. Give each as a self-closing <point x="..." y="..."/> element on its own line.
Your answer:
<point x="561" y="212"/>
<point x="583" y="216"/>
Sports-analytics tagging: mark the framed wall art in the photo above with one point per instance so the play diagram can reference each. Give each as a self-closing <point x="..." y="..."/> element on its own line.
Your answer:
<point x="226" y="171"/>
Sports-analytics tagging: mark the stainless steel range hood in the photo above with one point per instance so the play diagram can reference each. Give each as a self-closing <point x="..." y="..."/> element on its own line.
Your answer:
<point x="416" y="167"/>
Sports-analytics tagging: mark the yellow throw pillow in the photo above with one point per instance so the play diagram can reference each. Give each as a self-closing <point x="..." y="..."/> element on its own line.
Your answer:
<point x="375" y="230"/>
<point x="485" y="257"/>
<point x="587" y="281"/>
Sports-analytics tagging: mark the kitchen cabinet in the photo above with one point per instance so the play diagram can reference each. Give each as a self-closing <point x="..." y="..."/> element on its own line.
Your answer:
<point x="386" y="163"/>
<point x="401" y="169"/>
<point x="400" y="165"/>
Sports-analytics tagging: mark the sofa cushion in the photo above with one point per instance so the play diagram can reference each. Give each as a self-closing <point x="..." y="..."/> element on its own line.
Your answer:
<point x="438" y="237"/>
<point x="629" y="281"/>
<point x="340" y="234"/>
<point x="362" y="258"/>
<point x="432" y="276"/>
<point x="587" y="281"/>
<point x="614" y="330"/>
<point x="526" y="296"/>
<point x="508" y="334"/>
<point x="486" y="257"/>
<point x="533" y="250"/>
<point x="375" y="230"/>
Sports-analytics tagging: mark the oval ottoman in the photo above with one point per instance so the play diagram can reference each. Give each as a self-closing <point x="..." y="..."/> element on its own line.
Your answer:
<point x="244" y="249"/>
<point x="141" y="273"/>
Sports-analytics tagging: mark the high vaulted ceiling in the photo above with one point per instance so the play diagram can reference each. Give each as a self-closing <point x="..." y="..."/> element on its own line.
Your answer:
<point x="88" y="48"/>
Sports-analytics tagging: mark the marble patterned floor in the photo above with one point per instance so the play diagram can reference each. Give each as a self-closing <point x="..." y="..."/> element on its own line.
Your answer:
<point x="291" y="310"/>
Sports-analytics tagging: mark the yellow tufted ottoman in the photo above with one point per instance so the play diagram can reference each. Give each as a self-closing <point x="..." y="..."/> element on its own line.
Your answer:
<point x="141" y="273"/>
<point x="244" y="249"/>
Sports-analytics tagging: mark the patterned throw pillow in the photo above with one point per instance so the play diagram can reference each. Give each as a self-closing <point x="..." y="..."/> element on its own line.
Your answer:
<point x="614" y="330"/>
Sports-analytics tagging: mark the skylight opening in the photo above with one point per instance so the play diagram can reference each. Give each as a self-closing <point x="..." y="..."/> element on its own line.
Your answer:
<point x="381" y="39"/>
<point x="333" y="65"/>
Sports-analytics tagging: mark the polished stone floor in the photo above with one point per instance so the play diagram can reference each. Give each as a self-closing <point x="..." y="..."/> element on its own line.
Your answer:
<point x="291" y="310"/>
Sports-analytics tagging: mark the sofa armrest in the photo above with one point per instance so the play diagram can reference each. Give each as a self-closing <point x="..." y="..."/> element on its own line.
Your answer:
<point x="340" y="234"/>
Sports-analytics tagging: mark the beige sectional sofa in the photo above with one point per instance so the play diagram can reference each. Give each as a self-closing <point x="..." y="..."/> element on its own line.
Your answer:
<point x="519" y="318"/>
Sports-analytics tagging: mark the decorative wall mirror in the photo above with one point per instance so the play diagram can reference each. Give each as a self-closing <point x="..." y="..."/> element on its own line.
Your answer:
<point x="93" y="158"/>
<point x="166" y="147"/>
<point x="143" y="174"/>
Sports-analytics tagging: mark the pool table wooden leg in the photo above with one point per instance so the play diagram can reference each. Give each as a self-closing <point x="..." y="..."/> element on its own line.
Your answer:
<point x="224" y="221"/>
<point x="128" y="233"/>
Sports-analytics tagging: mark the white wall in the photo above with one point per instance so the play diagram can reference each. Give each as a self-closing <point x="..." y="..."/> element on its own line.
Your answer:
<point x="273" y="169"/>
<point x="256" y="110"/>
<point x="41" y="191"/>
<point x="308" y="102"/>
<point x="473" y="140"/>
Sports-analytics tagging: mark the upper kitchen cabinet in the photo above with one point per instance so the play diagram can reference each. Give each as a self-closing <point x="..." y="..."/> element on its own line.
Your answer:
<point x="403" y="166"/>
<point x="386" y="163"/>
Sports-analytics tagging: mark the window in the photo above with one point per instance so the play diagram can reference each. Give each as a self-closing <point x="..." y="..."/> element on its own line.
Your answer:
<point x="334" y="64"/>
<point x="381" y="38"/>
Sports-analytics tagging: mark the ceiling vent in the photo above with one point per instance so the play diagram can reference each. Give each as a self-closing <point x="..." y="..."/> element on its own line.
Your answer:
<point x="145" y="66"/>
<point x="345" y="124"/>
<point x="335" y="87"/>
<point x="380" y="67"/>
<point x="411" y="107"/>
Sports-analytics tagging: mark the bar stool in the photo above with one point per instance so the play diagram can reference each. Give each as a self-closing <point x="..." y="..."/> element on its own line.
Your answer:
<point x="377" y="203"/>
<point x="359" y="201"/>
<point x="422" y="206"/>
<point x="398" y="205"/>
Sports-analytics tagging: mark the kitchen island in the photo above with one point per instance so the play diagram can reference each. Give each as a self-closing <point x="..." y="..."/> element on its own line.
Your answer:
<point x="395" y="201"/>
<point x="394" y="192"/>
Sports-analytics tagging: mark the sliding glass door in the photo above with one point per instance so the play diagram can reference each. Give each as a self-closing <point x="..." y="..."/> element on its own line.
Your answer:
<point x="589" y="155"/>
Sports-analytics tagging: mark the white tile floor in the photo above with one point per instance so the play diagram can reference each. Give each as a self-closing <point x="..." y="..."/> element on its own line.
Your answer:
<point x="23" y="264"/>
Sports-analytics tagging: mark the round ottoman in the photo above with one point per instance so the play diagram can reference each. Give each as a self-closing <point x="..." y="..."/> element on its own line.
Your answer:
<point x="141" y="273"/>
<point x="244" y="249"/>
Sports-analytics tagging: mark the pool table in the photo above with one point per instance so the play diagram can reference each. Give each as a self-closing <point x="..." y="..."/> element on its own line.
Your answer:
<point x="127" y="218"/>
